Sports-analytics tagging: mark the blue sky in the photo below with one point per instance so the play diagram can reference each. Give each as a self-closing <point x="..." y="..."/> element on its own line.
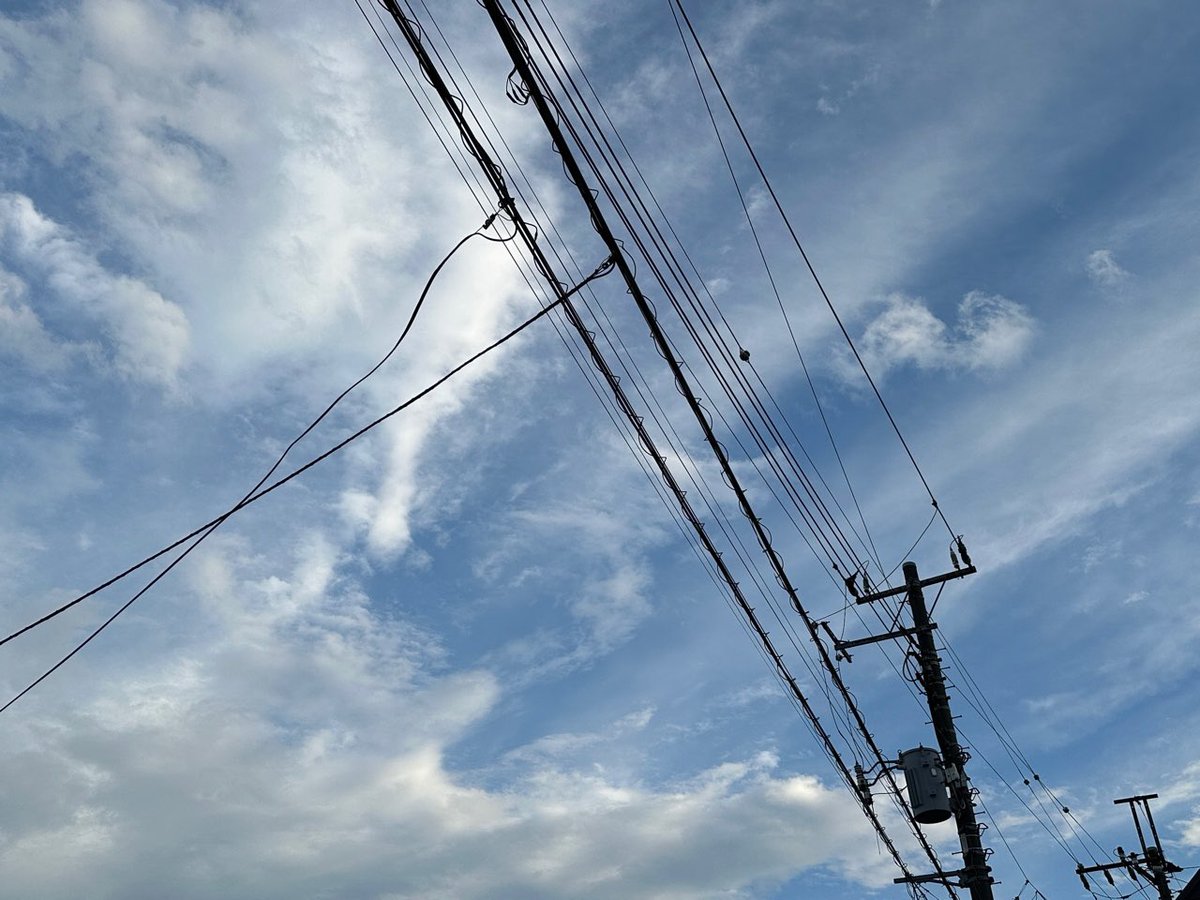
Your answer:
<point x="473" y="655"/>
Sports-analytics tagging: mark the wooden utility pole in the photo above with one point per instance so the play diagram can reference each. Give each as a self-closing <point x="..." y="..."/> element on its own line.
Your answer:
<point x="975" y="875"/>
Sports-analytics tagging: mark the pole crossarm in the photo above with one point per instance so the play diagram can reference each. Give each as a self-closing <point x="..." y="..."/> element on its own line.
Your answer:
<point x="1135" y="799"/>
<point x="923" y="583"/>
<point x="842" y="646"/>
<point x="935" y="878"/>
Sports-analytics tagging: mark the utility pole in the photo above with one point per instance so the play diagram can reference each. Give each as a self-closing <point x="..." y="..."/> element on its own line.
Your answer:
<point x="975" y="872"/>
<point x="975" y="875"/>
<point x="1152" y="864"/>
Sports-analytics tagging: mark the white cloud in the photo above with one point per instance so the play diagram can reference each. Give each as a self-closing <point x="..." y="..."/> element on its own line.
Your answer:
<point x="992" y="333"/>
<point x="23" y="337"/>
<point x="263" y="174"/>
<point x="1103" y="269"/>
<point x="148" y="334"/>
<point x="562" y="748"/>
<point x="297" y="744"/>
<point x="257" y="171"/>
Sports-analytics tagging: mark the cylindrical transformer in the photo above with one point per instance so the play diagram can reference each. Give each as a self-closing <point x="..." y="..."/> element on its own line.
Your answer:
<point x="926" y="780"/>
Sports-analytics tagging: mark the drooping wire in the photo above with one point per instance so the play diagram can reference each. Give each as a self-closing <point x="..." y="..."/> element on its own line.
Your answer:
<point x="479" y="232"/>
<point x="204" y="531"/>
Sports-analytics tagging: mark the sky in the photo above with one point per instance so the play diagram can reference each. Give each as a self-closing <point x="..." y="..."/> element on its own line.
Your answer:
<point x="473" y="655"/>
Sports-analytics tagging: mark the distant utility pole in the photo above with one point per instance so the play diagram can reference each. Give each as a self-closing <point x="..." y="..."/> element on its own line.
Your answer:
<point x="975" y="875"/>
<point x="1151" y="864"/>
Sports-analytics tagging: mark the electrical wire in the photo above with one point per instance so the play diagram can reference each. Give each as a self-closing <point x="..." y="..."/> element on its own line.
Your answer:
<point x="778" y="297"/>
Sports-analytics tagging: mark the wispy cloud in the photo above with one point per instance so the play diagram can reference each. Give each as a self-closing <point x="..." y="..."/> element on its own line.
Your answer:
<point x="148" y="336"/>
<point x="1103" y="269"/>
<point x="299" y="742"/>
<point x="992" y="332"/>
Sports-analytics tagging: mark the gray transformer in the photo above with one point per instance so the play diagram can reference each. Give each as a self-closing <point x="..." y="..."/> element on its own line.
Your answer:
<point x="926" y="781"/>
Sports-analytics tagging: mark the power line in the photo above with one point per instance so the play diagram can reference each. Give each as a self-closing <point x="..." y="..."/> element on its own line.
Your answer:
<point x="778" y="297"/>
<point x="660" y="244"/>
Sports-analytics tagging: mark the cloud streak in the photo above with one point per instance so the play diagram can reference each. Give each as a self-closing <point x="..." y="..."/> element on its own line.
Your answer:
<point x="148" y="336"/>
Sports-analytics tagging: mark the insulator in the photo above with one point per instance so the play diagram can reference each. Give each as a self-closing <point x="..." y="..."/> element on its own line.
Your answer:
<point x="954" y="559"/>
<point x="864" y="789"/>
<point x="962" y="550"/>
